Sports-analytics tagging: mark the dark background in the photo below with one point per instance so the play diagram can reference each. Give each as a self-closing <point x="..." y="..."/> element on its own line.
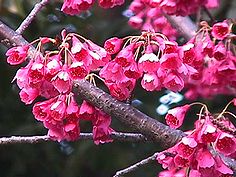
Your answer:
<point x="81" y="158"/>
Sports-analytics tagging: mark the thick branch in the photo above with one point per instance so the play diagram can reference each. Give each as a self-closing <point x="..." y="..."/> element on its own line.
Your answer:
<point x="151" y="128"/>
<point x="128" y="137"/>
<point x="22" y="139"/>
<point x="184" y="25"/>
<point x="27" y="21"/>
<point x="9" y="37"/>
<point x="136" y="165"/>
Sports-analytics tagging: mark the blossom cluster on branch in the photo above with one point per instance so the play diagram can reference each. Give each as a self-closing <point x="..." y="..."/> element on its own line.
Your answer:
<point x="213" y="51"/>
<point x="198" y="154"/>
<point x="50" y="74"/>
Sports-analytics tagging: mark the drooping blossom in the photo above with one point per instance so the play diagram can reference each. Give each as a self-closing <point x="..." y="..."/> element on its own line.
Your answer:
<point x="17" y="55"/>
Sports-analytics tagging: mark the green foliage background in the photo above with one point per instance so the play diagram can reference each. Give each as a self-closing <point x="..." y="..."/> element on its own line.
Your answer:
<point x="73" y="159"/>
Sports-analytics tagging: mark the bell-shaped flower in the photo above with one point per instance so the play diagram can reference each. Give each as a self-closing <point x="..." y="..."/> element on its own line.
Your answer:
<point x="175" y="117"/>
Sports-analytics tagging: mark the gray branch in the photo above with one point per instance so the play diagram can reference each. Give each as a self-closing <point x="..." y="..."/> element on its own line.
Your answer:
<point x="117" y="136"/>
<point x="149" y="127"/>
<point x="184" y="25"/>
<point x="136" y="166"/>
<point x="27" y="21"/>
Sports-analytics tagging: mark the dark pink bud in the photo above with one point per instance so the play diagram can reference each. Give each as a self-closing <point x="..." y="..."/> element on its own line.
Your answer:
<point x="113" y="45"/>
<point x="220" y="30"/>
<point x="175" y="117"/>
<point x="17" y="55"/>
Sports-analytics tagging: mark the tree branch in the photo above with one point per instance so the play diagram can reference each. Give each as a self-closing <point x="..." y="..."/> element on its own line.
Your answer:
<point x="151" y="128"/>
<point x="27" y="21"/>
<point x="136" y="166"/>
<point x="184" y="25"/>
<point x="118" y="136"/>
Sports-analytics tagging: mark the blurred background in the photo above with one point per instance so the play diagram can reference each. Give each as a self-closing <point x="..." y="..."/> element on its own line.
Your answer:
<point x="81" y="158"/>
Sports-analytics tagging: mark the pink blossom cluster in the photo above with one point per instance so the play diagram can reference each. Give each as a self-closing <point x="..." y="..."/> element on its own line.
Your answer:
<point x="50" y="75"/>
<point x="73" y="7"/>
<point x="210" y="52"/>
<point x="151" y="57"/>
<point x="147" y="18"/>
<point x="181" y="7"/>
<point x="199" y="153"/>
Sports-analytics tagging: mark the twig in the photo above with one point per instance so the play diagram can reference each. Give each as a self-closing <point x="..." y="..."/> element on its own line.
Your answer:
<point x="31" y="16"/>
<point x="21" y="139"/>
<point x="130" y="137"/>
<point x="136" y="166"/>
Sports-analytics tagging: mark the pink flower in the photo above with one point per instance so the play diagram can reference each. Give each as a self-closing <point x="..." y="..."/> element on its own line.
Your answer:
<point x="58" y="108"/>
<point x="189" y="53"/>
<point x="56" y="131"/>
<point x="136" y="22"/>
<point x="17" y="55"/>
<point x="71" y="127"/>
<point x="148" y="62"/>
<point x="125" y="57"/>
<point x="28" y="95"/>
<point x="220" y="30"/>
<point x="194" y="173"/>
<point x="181" y="161"/>
<point x="112" y="71"/>
<point x="166" y="159"/>
<point x="62" y="81"/>
<point x="113" y="45"/>
<point x="212" y="3"/>
<point x="77" y="70"/>
<point x="36" y="73"/>
<point x="132" y="71"/>
<point x="170" y="61"/>
<point x="22" y="78"/>
<point x="219" y="51"/>
<point x="173" y="82"/>
<point x="173" y="173"/>
<point x="52" y="68"/>
<point x="121" y="90"/>
<point x="226" y="144"/>
<point x="175" y="117"/>
<point x="151" y="82"/>
<point x="204" y="159"/>
<point x="73" y="7"/>
<point x="101" y="129"/>
<point x="41" y="109"/>
<point x="110" y="3"/>
<point x="87" y="111"/>
<point x="99" y="55"/>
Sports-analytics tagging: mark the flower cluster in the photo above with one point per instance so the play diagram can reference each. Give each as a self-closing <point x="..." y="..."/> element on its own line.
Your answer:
<point x="152" y="57"/>
<point x="199" y="153"/>
<point x="181" y="7"/>
<point x="73" y="7"/>
<point x="212" y="56"/>
<point x="50" y="75"/>
<point x="148" y="18"/>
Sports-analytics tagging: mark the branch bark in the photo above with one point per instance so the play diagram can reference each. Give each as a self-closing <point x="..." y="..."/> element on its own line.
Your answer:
<point x="151" y="128"/>
<point x="136" y="165"/>
<point x="184" y="25"/>
<point x="27" y="21"/>
<point x="118" y="136"/>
